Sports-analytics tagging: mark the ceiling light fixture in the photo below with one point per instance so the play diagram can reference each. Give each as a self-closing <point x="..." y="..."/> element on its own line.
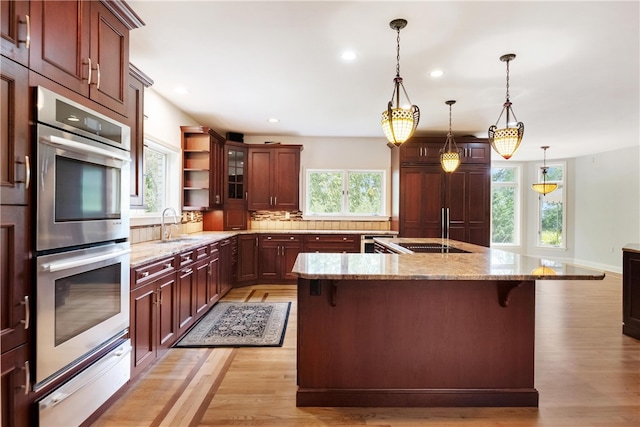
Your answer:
<point x="544" y="187"/>
<point x="273" y="120"/>
<point x="506" y="140"/>
<point x="436" y="73"/>
<point x="450" y="156"/>
<point x="348" y="55"/>
<point x="399" y="123"/>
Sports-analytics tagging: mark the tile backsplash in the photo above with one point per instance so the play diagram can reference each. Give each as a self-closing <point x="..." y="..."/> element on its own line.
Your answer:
<point x="191" y="222"/>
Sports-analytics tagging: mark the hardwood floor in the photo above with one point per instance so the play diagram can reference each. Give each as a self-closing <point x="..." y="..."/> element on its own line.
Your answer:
<point x="587" y="374"/>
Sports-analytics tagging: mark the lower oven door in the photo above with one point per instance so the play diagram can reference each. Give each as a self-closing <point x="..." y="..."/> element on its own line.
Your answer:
<point x="81" y="304"/>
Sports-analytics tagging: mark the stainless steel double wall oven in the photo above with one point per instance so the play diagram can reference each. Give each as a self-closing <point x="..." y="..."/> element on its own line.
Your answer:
<point x="82" y="229"/>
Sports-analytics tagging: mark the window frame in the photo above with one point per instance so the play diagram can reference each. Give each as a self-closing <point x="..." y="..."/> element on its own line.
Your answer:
<point x="561" y="184"/>
<point x="344" y="213"/>
<point x="172" y="182"/>
<point x="517" y="185"/>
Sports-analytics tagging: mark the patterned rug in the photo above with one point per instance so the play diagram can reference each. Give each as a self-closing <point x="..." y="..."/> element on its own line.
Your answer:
<point x="240" y="324"/>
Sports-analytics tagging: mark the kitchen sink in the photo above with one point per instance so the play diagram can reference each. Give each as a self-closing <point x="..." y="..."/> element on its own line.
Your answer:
<point x="432" y="248"/>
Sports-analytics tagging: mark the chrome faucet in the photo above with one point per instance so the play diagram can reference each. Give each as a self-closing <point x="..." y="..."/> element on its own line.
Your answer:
<point x="166" y="235"/>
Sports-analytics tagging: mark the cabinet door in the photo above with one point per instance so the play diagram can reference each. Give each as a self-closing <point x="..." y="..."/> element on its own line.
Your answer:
<point x="467" y="202"/>
<point x="269" y="259"/>
<point x="226" y="266"/>
<point x="421" y="202"/>
<point x="475" y="152"/>
<point x="247" y="257"/>
<point x="143" y="301"/>
<point x="135" y="113"/>
<point x="15" y="159"/>
<point x="15" y="388"/>
<point x="16" y="23"/>
<point x="235" y="173"/>
<point x="286" y="179"/>
<point x="167" y="319"/>
<point x="110" y="52"/>
<point x="64" y="57"/>
<point x="201" y="272"/>
<point x="213" y="284"/>
<point x="260" y="196"/>
<point x="631" y="294"/>
<point x="186" y="307"/>
<point x="289" y="253"/>
<point x="421" y="150"/>
<point x="15" y="271"/>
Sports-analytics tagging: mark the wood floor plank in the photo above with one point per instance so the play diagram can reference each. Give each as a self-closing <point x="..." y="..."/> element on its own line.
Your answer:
<point x="587" y="373"/>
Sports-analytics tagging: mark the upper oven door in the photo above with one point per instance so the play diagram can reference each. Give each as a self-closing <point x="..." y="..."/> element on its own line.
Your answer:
<point x="82" y="191"/>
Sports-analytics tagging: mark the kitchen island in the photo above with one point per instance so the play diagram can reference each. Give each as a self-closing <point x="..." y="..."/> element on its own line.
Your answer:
<point x="420" y="329"/>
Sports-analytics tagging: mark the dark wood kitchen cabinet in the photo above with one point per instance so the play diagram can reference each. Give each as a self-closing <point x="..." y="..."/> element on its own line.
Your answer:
<point x="84" y="46"/>
<point x="433" y="203"/>
<point x="278" y="253"/>
<point x="426" y="150"/>
<point x="187" y="284"/>
<point x="202" y="168"/>
<point x="337" y="243"/>
<point x="247" y="258"/>
<point x="16" y="400"/>
<point x="16" y="23"/>
<point x="631" y="292"/>
<point x="138" y="81"/>
<point x="153" y="324"/>
<point x="213" y="285"/>
<point x="274" y="177"/>
<point x="228" y="263"/>
<point x="15" y="252"/>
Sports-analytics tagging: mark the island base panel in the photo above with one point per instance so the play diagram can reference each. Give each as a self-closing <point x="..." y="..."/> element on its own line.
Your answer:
<point x="416" y="398"/>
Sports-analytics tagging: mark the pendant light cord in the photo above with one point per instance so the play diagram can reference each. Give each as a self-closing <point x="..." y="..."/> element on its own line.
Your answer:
<point x="398" y="53"/>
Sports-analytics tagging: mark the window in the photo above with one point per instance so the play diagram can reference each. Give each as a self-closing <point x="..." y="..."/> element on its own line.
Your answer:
<point x="505" y="204"/>
<point x="345" y="193"/>
<point x="155" y="170"/>
<point x="159" y="172"/>
<point x="551" y="212"/>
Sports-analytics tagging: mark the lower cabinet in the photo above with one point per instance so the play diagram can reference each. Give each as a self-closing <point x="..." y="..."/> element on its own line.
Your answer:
<point x="15" y="387"/>
<point x="337" y="243"/>
<point x="168" y="296"/>
<point x="228" y="263"/>
<point x="153" y="325"/>
<point x="631" y="293"/>
<point x="278" y="253"/>
<point x="247" y="258"/>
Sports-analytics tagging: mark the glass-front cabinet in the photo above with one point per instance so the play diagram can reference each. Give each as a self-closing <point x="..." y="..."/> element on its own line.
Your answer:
<point x="236" y="172"/>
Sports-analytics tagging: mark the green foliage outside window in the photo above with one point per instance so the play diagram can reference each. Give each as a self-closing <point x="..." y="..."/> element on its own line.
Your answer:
<point x="361" y="194"/>
<point x="154" y="176"/>
<point x="503" y="205"/>
<point x="365" y="193"/>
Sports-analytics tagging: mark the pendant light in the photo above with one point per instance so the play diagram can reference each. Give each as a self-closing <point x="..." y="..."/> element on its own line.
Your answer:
<point x="544" y="187"/>
<point x="505" y="141"/>
<point x="399" y="123"/>
<point x="450" y="156"/>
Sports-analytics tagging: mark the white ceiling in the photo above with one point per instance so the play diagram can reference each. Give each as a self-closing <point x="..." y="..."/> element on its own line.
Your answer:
<point x="574" y="82"/>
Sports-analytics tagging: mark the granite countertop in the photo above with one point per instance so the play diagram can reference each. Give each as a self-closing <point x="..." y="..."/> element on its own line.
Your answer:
<point x="631" y="247"/>
<point x="142" y="253"/>
<point x="480" y="264"/>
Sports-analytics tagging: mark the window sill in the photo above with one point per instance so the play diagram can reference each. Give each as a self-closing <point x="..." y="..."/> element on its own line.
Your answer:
<point x="345" y="218"/>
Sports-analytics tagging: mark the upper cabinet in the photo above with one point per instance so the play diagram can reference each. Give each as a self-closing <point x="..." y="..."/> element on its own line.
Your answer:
<point x="202" y="168"/>
<point x="274" y="177"/>
<point x="426" y="150"/>
<point x="86" y="48"/>
<point x="138" y="81"/>
<point x="16" y="30"/>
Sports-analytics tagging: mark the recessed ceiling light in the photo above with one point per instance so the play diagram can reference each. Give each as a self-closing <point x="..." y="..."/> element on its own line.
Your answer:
<point x="436" y="73"/>
<point x="273" y="120"/>
<point x="181" y="90"/>
<point x="348" y="55"/>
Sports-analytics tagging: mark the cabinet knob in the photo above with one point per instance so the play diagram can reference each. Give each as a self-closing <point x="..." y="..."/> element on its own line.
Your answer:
<point x="144" y="274"/>
<point x="27" y="39"/>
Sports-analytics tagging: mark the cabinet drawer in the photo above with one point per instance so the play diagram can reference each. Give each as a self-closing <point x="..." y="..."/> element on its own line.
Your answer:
<point x="153" y="271"/>
<point x="186" y="258"/>
<point x="332" y="238"/>
<point x="201" y="253"/>
<point x="281" y="238"/>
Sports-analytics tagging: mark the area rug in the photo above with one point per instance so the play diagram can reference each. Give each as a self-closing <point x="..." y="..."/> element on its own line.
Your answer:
<point x="240" y="324"/>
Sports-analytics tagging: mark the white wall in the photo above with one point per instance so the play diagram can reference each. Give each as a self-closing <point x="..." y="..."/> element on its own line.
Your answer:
<point x="163" y="120"/>
<point x="607" y="205"/>
<point x="336" y="153"/>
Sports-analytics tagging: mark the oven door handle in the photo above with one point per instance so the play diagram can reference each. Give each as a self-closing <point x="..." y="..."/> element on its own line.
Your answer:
<point x="78" y="146"/>
<point x="78" y="262"/>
